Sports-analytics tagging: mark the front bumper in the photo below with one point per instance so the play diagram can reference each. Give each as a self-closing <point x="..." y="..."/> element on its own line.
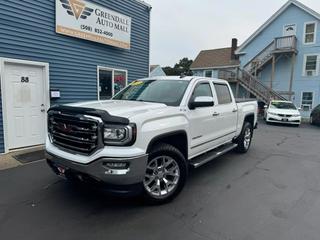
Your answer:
<point x="99" y="172"/>
<point x="285" y="120"/>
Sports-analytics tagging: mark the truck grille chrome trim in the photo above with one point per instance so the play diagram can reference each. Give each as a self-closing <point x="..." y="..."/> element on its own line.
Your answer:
<point x="75" y="133"/>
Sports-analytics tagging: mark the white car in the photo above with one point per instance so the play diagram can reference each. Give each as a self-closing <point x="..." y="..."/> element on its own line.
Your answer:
<point x="144" y="139"/>
<point x="282" y="112"/>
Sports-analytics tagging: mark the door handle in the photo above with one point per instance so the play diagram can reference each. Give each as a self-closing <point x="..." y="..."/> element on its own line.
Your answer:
<point x="215" y="114"/>
<point x="43" y="110"/>
<point x="235" y="110"/>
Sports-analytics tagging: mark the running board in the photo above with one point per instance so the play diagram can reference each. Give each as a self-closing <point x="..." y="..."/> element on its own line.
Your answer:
<point x="209" y="156"/>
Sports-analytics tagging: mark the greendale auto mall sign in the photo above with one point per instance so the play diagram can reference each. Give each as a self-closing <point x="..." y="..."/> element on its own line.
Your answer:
<point x="86" y="20"/>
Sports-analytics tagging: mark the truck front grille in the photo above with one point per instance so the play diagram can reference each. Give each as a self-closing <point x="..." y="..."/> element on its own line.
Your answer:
<point x="79" y="134"/>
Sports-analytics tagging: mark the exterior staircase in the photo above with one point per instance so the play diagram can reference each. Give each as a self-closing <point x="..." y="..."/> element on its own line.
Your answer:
<point x="247" y="77"/>
<point x="251" y="84"/>
<point x="256" y="87"/>
<point x="280" y="45"/>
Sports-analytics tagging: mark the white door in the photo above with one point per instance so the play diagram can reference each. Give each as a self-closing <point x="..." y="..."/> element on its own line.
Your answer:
<point x="25" y="105"/>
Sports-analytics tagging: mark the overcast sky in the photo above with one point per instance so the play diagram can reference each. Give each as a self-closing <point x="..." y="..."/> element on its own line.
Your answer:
<point x="181" y="28"/>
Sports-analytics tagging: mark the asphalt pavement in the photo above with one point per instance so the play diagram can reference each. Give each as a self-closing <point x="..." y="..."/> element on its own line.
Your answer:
<point x="272" y="192"/>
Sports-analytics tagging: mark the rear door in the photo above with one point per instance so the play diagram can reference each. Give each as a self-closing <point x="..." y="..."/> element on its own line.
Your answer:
<point x="226" y="112"/>
<point x="203" y="123"/>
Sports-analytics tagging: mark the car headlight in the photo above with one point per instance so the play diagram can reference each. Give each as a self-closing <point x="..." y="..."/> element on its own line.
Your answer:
<point x="271" y="113"/>
<point x="118" y="135"/>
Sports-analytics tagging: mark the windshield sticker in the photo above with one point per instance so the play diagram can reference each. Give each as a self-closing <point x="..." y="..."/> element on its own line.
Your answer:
<point x="136" y="83"/>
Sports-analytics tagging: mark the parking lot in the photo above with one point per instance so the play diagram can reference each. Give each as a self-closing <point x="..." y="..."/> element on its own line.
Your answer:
<point x="273" y="192"/>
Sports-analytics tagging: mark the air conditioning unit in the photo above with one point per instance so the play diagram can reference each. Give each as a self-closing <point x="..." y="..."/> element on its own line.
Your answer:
<point x="311" y="73"/>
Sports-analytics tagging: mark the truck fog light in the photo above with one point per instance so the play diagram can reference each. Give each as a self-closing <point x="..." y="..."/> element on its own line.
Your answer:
<point x="116" y="165"/>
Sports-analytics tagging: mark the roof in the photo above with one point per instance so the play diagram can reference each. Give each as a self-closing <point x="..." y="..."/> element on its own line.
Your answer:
<point x="186" y="78"/>
<point x="214" y="58"/>
<point x="144" y="3"/>
<point x="153" y="67"/>
<point x="274" y="16"/>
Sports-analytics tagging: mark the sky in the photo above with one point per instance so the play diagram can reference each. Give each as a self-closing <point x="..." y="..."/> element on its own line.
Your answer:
<point x="182" y="28"/>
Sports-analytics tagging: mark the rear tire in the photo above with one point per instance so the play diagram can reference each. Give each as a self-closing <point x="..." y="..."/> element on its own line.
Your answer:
<point x="244" y="140"/>
<point x="166" y="174"/>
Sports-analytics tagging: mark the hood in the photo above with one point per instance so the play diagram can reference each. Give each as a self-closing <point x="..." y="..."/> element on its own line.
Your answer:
<point x="121" y="108"/>
<point x="284" y="111"/>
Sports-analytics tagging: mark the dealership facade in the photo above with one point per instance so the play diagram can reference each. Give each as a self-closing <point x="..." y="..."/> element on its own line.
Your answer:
<point x="62" y="51"/>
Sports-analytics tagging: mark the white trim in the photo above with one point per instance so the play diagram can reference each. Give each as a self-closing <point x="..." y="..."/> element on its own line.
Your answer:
<point x="313" y="97"/>
<point x="304" y="73"/>
<point x="274" y="16"/>
<point x="46" y="86"/>
<point x="314" y="33"/>
<point x="287" y="25"/>
<point x="112" y="82"/>
<point x="213" y="68"/>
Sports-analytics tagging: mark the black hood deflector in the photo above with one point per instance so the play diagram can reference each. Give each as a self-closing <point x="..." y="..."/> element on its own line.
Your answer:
<point x="104" y="115"/>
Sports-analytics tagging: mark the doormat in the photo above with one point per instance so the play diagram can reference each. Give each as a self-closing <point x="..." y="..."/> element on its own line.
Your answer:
<point x="30" y="157"/>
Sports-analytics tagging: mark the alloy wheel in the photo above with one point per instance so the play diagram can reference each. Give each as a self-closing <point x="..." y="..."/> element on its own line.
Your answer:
<point x="162" y="177"/>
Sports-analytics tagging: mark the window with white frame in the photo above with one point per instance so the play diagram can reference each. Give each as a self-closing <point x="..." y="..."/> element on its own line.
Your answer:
<point x="110" y="82"/>
<point x="307" y="101"/>
<point x="208" y="73"/>
<point x="311" y="65"/>
<point x="310" y="33"/>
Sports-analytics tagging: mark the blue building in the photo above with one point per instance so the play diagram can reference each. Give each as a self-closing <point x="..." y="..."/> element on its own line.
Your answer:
<point x="62" y="51"/>
<point x="281" y="60"/>
<point x="284" y="53"/>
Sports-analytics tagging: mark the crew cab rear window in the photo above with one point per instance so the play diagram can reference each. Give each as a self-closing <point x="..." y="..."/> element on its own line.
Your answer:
<point x="223" y="93"/>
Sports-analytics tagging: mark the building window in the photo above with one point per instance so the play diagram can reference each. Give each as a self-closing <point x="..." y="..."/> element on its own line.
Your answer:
<point x="307" y="101"/>
<point x="208" y="73"/>
<point x="111" y="81"/>
<point x="311" y="65"/>
<point x="310" y="33"/>
<point x="289" y="30"/>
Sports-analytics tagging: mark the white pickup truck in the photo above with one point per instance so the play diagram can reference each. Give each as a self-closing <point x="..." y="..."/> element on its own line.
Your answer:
<point x="149" y="134"/>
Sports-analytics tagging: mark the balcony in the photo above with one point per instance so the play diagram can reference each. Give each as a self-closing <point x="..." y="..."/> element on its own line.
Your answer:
<point x="278" y="46"/>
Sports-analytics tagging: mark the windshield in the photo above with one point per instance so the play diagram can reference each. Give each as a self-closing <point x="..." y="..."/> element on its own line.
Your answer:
<point x="169" y="92"/>
<point x="282" y="105"/>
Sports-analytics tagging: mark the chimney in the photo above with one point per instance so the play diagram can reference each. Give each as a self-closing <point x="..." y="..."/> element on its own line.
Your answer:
<point x="234" y="46"/>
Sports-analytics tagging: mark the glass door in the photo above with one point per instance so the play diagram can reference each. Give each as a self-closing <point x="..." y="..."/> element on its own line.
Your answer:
<point x="111" y="81"/>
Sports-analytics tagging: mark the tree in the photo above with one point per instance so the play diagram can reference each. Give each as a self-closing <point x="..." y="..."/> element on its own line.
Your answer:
<point x="183" y="67"/>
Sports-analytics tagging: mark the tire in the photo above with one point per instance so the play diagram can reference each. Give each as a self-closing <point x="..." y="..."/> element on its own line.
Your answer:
<point x="311" y="120"/>
<point x="245" y="138"/>
<point x="166" y="174"/>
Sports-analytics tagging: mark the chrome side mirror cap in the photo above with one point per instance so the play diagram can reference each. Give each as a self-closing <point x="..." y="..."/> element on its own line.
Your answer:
<point x="200" y="102"/>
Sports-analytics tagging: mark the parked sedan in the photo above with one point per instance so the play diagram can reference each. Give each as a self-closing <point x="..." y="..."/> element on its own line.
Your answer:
<point x="315" y="116"/>
<point x="282" y="112"/>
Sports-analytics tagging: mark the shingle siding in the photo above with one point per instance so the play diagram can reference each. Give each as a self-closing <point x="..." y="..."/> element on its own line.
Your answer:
<point x="27" y="31"/>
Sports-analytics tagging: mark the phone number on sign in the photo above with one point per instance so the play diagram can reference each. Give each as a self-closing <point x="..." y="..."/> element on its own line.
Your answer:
<point x="100" y="31"/>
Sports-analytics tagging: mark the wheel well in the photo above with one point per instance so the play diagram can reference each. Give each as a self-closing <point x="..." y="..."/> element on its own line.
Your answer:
<point x="177" y="139"/>
<point x="250" y="119"/>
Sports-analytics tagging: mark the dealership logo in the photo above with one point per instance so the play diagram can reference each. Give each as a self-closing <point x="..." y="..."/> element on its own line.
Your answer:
<point x="77" y="8"/>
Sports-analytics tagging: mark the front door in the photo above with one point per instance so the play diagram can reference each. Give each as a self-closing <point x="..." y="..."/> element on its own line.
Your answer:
<point x="25" y="105"/>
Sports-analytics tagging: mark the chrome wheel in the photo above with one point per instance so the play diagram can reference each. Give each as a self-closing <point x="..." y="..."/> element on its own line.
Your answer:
<point x="162" y="177"/>
<point x="247" y="138"/>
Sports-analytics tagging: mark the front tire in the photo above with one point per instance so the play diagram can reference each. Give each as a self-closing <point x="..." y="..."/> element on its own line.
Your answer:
<point x="166" y="174"/>
<point x="245" y="138"/>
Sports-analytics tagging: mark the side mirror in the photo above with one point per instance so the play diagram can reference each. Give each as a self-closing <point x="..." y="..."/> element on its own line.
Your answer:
<point x="299" y="109"/>
<point x="265" y="106"/>
<point x="200" y="102"/>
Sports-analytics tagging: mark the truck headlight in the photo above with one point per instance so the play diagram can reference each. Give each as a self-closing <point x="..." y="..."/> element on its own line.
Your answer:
<point x="118" y="135"/>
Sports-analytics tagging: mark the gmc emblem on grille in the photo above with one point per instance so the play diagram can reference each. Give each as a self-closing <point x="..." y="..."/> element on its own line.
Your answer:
<point x="64" y="127"/>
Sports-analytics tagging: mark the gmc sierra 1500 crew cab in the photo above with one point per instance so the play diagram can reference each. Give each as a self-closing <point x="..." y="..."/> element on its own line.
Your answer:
<point x="148" y="135"/>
